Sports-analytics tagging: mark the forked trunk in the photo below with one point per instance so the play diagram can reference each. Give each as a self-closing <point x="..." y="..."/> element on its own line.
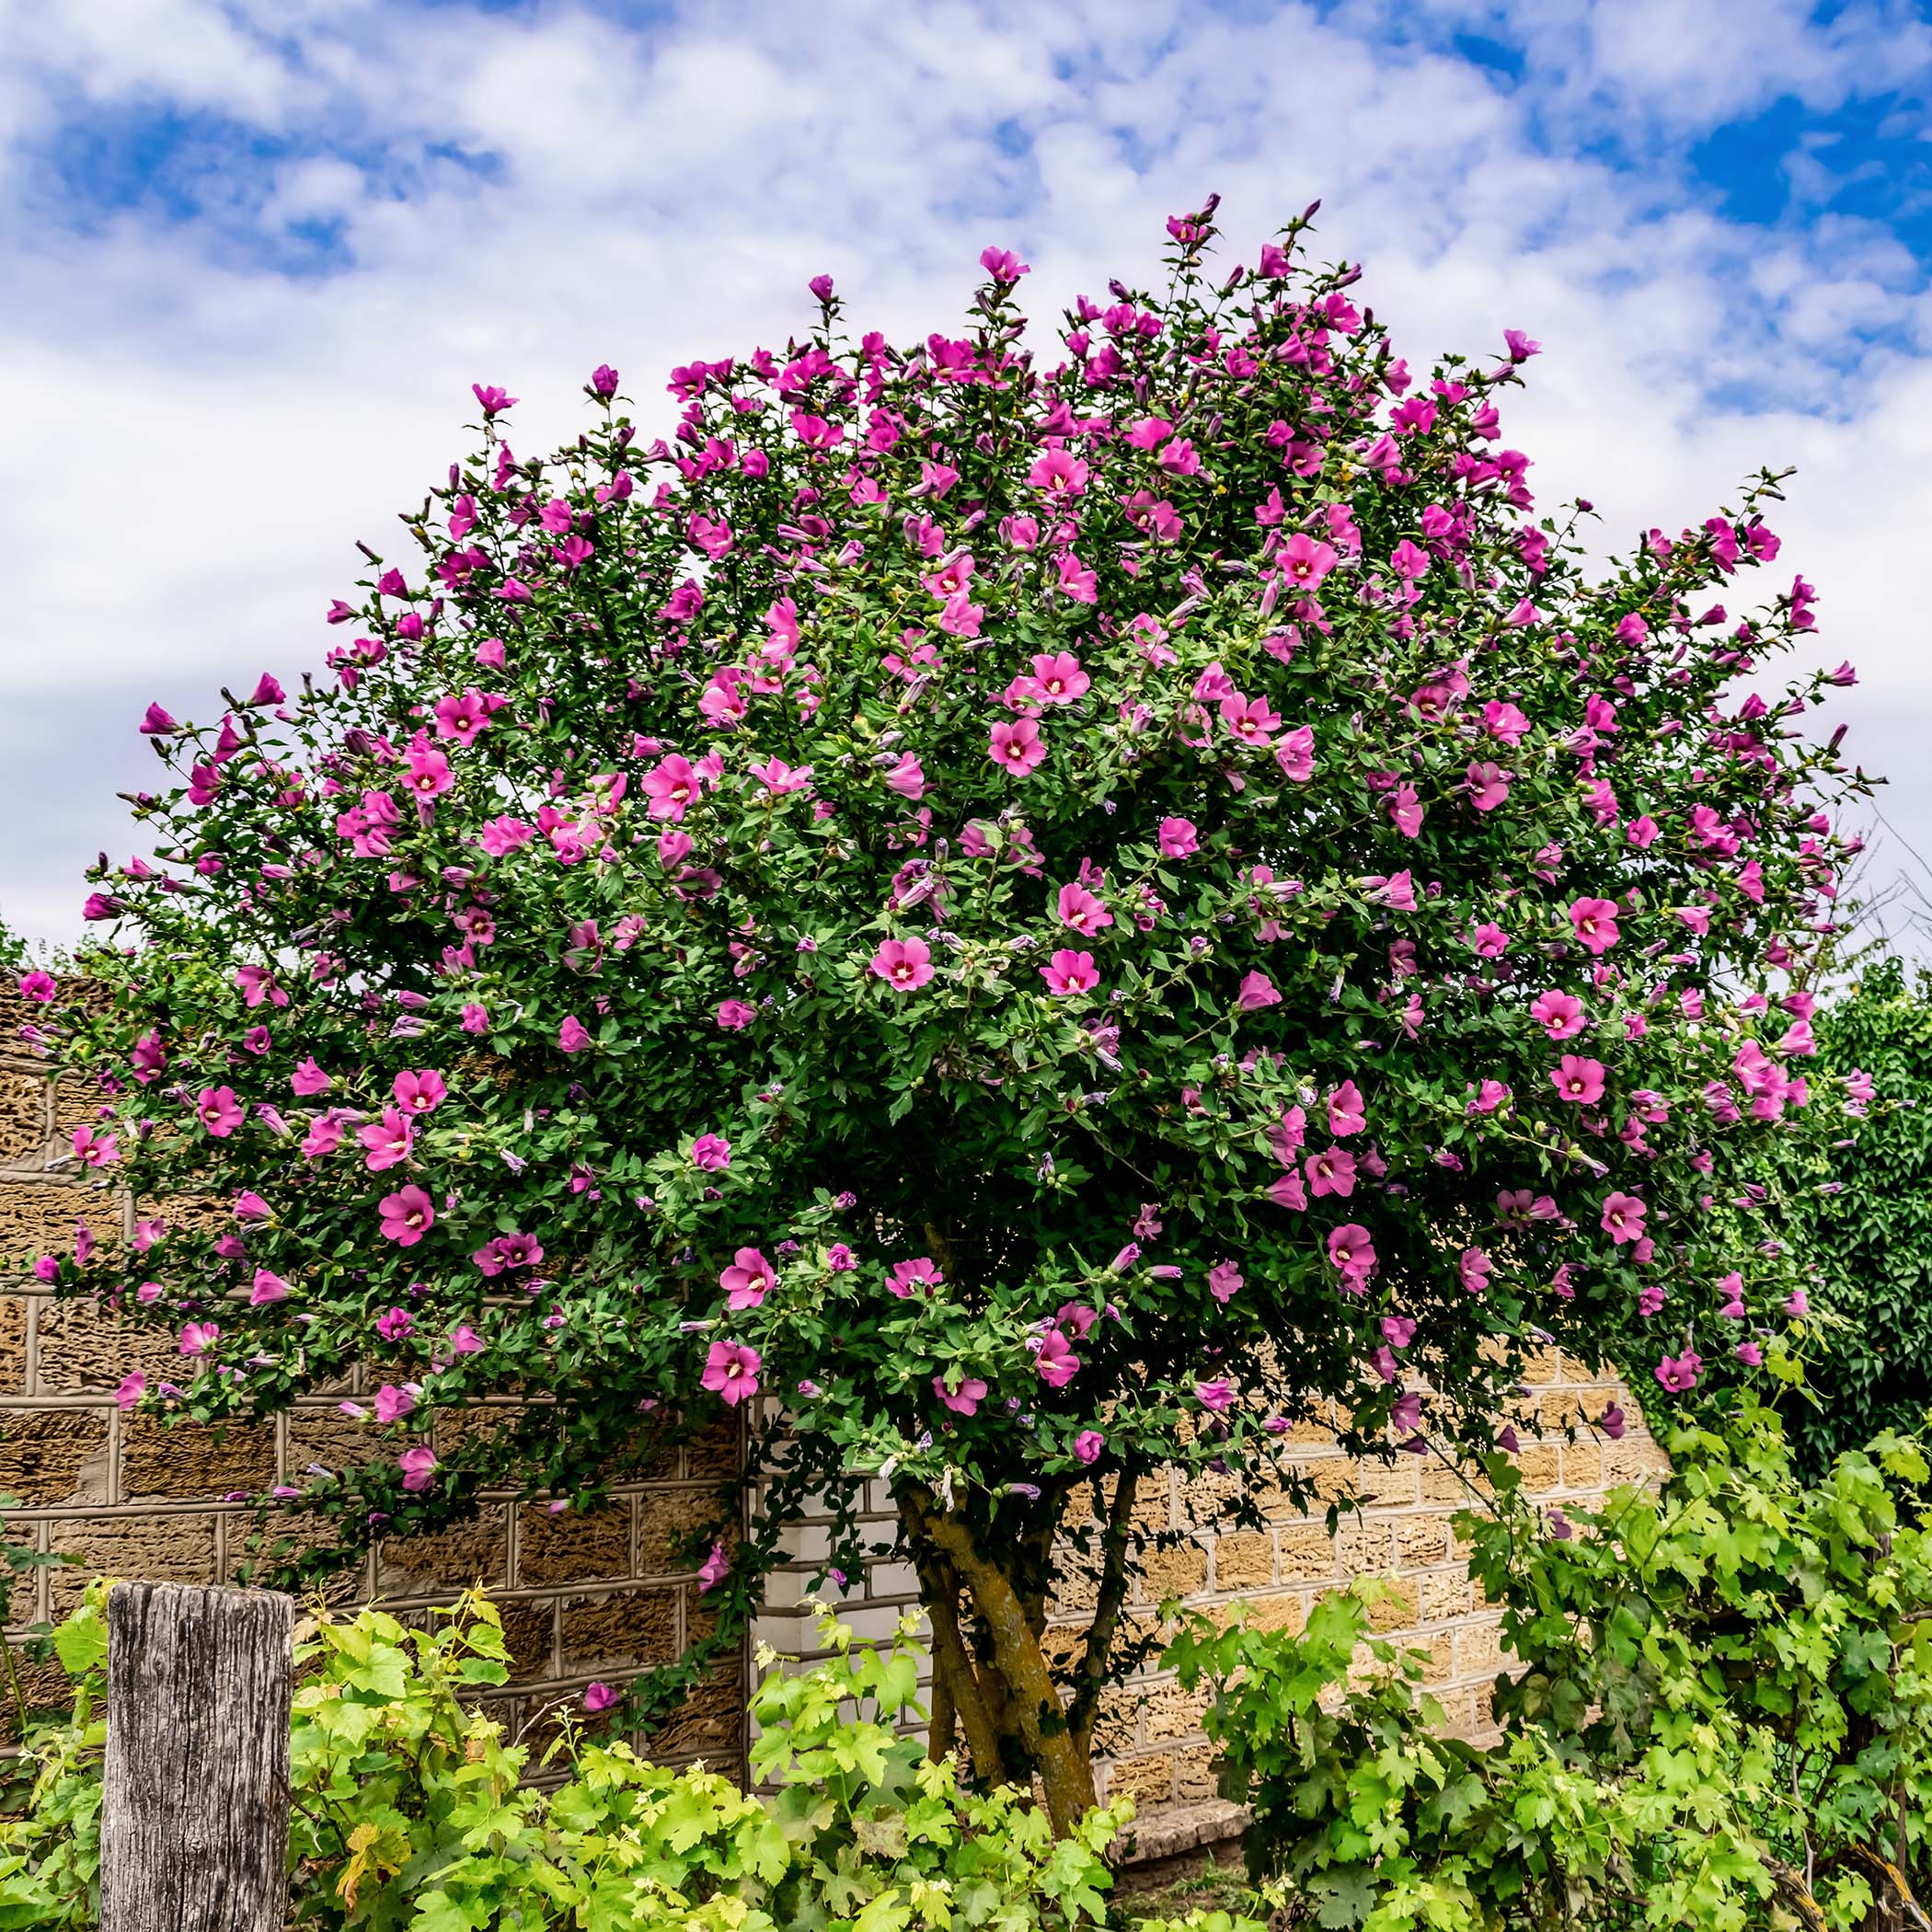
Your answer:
<point x="1024" y="1685"/>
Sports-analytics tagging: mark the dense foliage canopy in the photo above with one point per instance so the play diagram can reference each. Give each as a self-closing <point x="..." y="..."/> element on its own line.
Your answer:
<point x="1862" y="1219"/>
<point x="1050" y="915"/>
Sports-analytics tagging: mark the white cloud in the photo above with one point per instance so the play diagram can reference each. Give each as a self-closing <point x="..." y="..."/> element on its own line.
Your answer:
<point x="189" y="52"/>
<point x="197" y="438"/>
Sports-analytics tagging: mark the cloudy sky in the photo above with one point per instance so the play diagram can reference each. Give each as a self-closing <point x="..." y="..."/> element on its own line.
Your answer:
<point x="256" y="251"/>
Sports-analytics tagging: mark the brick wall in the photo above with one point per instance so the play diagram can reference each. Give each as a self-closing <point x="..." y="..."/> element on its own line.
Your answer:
<point x="584" y="1596"/>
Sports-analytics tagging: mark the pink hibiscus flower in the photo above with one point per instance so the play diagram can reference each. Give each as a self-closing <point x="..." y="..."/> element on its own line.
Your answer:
<point x="1068" y="972"/>
<point x="1594" y="921"/>
<point x="732" y="1371"/>
<point x="1580" y="1079"/>
<point x="903" y="964"/>
<point x="407" y="1216"/>
<point x="747" y="1279"/>
<point x="1017" y="748"/>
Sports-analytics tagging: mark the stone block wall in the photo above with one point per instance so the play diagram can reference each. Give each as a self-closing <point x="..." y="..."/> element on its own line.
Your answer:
<point x="1150" y="1730"/>
<point x="584" y="1596"/>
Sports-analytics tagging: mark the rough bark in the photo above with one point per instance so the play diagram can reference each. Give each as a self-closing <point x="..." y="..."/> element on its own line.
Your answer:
<point x="956" y="1691"/>
<point x="1095" y="1658"/>
<point x="1066" y="1777"/>
<point x="195" y="1810"/>
<point x="1795" y="1895"/>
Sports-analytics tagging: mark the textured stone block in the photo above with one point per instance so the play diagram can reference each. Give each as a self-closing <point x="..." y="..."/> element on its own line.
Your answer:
<point x="530" y="1636"/>
<point x="1146" y="1780"/>
<point x="1315" y="1431"/>
<point x="1277" y="1504"/>
<point x="1204" y="1500"/>
<point x="1117" y="1723"/>
<point x="1076" y="1592"/>
<point x="1420" y="1540"/>
<point x="154" y="1549"/>
<point x="1361" y="1548"/>
<point x="620" y="1632"/>
<point x="454" y="1427"/>
<point x="77" y="1103"/>
<point x="335" y="1442"/>
<point x="285" y="1532"/>
<point x="1478" y="1648"/>
<point x="1385" y="1485"/>
<point x="1442" y="1485"/>
<point x="1243" y="1560"/>
<point x="1482" y="1708"/>
<point x="1171" y="1713"/>
<point x="13" y="1344"/>
<point x="1635" y="1459"/>
<point x="58" y="1456"/>
<point x="714" y="1452"/>
<point x="709" y="1723"/>
<point x="664" y="1518"/>
<point x="190" y="1461"/>
<point x="39" y="1217"/>
<point x="572" y="1546"/>
<point x="1195" y="1775"/>
<point x="1444" y="1596"/>
<point x="85" y="1351"/>
<point x="1331" y="1478"/>
<point x="1395" y="1609"/>
<point x="1544" y="1365"/>
<point x="1558" y="1410"/>
<point x="23" y="1118"/>
<point x="444" y="1561"/>
<point x="1307" y="1553"/>
<point x="700" y="1614"/>
<point x="1173" y="1572"/>
<point x="207" y="1213"/>
<point x="1277" y="1610"/>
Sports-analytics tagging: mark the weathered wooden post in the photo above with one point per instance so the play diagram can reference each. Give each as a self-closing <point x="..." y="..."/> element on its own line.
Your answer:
<point x="195" y="1801"/>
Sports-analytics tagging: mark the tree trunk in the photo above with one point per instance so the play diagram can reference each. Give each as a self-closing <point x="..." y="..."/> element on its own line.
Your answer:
<point x="1066" y="1775"/>
<point x="957" y="1695"/>
<point x="195" y="1801"/>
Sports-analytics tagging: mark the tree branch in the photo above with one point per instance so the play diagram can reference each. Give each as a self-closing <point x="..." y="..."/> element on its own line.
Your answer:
<point x="1085" y="1708"/>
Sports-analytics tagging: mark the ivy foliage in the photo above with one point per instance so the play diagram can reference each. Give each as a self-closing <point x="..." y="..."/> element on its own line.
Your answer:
<point x="412" y="1810"/>
<point x="1714" y="1688"/>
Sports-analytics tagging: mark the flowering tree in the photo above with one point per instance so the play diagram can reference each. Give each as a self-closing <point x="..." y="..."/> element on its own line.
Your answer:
<point x="1048" y="918"/>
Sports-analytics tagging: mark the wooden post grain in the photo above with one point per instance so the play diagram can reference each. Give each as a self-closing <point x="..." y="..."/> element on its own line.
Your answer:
<point x="195" y="1804"/>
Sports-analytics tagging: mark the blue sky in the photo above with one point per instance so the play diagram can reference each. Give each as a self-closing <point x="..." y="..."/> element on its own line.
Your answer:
<point x="258" y="249"/>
